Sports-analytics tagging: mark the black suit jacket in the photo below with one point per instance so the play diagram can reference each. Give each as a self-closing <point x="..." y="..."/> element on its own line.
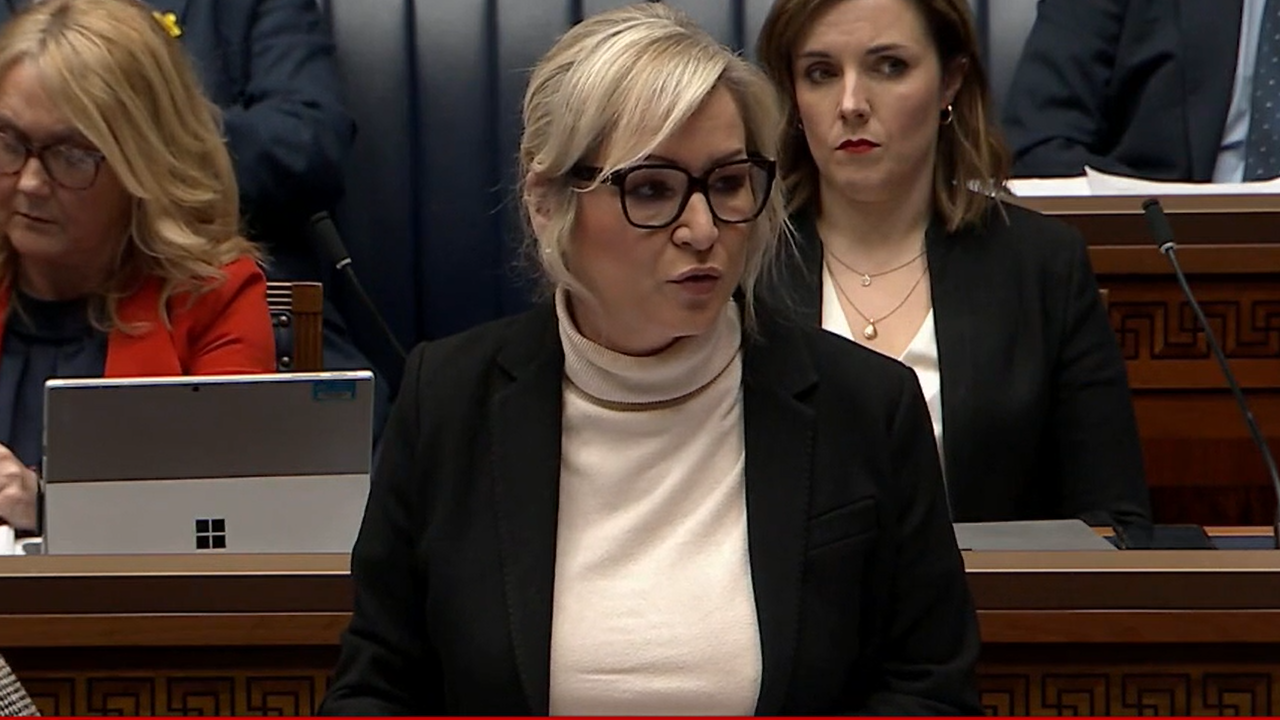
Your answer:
<point x="1137" y="87"/>
<point x="1037" y="421"/>
<point x="860" y="591"/>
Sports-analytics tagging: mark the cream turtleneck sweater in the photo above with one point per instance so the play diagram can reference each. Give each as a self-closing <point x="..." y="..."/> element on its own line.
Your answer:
<point x="654" y="611"/>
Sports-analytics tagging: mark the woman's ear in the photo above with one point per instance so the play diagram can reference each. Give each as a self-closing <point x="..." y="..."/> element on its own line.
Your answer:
<point x="537" y="203"/>
<point x="953" y="77"/>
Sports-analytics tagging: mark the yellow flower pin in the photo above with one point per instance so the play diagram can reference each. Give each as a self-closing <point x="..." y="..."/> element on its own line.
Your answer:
<point x="168" y="21"/>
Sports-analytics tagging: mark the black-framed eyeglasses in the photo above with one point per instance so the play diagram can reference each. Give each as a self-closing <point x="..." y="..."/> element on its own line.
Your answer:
<point x="655" y="195"/>
<point x="71" y="166"/>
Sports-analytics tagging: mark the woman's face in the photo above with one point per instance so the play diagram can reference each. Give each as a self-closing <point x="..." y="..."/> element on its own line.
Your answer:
<point x="647" y="288"/>
<point x="870" y="91"/>
<point x="65" y="213"/>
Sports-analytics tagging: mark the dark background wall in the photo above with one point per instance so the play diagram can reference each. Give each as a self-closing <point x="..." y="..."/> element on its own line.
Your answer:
<point x="435" y="86"/>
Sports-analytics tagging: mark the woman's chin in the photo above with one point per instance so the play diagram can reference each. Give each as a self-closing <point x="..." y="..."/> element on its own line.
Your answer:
<point x="696" y="321"/>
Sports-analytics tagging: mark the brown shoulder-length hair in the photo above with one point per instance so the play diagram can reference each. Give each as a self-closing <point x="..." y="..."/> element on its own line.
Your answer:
<point x="972" y="161"/>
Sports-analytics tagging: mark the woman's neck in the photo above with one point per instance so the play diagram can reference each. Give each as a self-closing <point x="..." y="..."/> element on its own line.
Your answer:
<point x="45" y="282"/>
<point x="874" y="231"/>
<point x="683" y="368"/>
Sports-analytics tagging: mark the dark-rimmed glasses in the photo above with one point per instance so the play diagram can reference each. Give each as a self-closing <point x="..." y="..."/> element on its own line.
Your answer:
<point x="72" y="167"/>
<point x="655" y="195"/>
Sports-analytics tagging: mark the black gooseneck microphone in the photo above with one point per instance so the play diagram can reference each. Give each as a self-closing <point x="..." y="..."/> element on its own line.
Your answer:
<point x="1158" y="223"/>
<point x="325" y="235"/>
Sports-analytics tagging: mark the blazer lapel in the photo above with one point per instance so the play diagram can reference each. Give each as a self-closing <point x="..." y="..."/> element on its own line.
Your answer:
<point x="956" y="318"/>
<point x="150" y="352"/>
<point x="147" y="353"/>
<point x="778" y="433"/>
<point x="526" y="441"/>
<point x="800" y="274"/>
<point x="1210" y="32"/>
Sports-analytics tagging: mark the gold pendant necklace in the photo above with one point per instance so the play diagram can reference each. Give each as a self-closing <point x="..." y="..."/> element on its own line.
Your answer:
<point x="865" y="278"/>
<point x="871" y="332"/>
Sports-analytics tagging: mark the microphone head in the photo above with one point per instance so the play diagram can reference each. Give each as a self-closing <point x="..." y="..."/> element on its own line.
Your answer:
<point x="325" y="235"/>
<point x="1158" y="224"/>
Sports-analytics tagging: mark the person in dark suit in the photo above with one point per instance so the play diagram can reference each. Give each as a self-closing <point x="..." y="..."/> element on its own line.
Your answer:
<point x="641" y="497"/>
<point x="994" y="307"/>
<point x="269" y="65"/>
<point x="1162" y="89"/>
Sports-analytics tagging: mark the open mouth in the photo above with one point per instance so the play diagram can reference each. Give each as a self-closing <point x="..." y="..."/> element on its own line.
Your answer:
<point x="698" y="283"/>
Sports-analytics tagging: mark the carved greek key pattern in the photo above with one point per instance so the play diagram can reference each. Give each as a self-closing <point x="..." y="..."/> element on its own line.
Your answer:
<point x="1074" y="695"/>
<point x="1239" y="694"/>
<point x="289" y="696"/>
<point x="1005" y="695"/>
<point x="188" y="693"/>
<point x="1166" y="328"/>
<point x="1156" y="694"/>
<point x="54" y="696"/>
<point x="201" y="696"/>
<point x="1005" y="691"/>
<point x="121" y="696"/>
<point x="1009" y="691"/>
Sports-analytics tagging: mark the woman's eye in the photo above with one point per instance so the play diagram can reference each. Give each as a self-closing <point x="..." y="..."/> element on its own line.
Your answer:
<point x="729" y="183"/>
<point x="819" y="73"/>
<point x="650" y="190"/>
<point x="892" y="66"/>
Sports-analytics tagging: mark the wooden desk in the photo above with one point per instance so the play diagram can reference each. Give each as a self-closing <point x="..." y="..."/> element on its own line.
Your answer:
<point x="1181" y="632"/>
<point x="188" y="635"/>
<point x="1201" y="465"/>
<point x="1129" y="633"/>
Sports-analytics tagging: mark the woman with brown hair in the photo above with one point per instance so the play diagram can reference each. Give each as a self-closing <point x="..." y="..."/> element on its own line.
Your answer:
<point x="893" y="164"/>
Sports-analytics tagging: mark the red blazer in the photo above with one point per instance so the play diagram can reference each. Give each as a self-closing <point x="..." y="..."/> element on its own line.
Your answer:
<point x="225" y="330"/>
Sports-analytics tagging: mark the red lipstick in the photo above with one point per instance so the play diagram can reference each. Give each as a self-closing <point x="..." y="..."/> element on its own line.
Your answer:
<point x="858" y="146"/>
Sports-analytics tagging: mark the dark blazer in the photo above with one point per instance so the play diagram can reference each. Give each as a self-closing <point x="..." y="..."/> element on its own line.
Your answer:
<point x="1037" y="421"/>
<point x="269" y="64"/>
<point x="860" y="591"/>
<point x="1137" y="87"/>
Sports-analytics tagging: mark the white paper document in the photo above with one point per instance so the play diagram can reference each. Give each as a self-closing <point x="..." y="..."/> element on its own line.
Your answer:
<point x="7" y="544"/>
<point x="1097" y="183"/>
<point x="1106" y="184"/>
<point x="1051" y="187"/>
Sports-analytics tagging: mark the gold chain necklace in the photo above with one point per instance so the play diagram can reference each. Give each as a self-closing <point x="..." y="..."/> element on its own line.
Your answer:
<point x="867" y="277"/>
<point x="870" y="332"/>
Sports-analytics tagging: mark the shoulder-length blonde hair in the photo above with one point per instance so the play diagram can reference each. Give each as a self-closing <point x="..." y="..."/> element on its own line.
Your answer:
<point x="126" y="84"/>
<point x="972" y="161"/>
<point x="609" y="92"/>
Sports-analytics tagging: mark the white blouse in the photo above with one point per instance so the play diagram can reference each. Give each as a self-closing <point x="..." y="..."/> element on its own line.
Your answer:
<point x="921" y="354"/>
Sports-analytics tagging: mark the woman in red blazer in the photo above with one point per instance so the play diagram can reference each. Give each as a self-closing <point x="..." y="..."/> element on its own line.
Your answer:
<point x="120" y="253"/>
